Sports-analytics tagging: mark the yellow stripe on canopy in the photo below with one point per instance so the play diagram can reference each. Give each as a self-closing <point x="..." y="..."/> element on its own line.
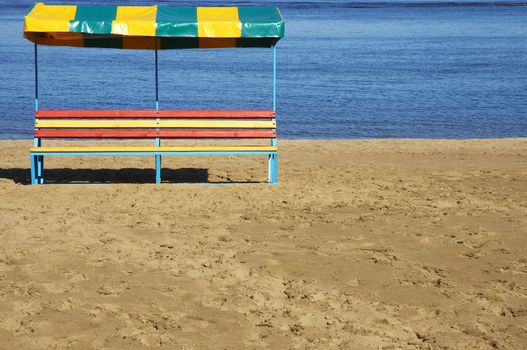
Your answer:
<point x="49" y="18"/>
<point x="219" y="22"/>
<point x="135" y="20"/>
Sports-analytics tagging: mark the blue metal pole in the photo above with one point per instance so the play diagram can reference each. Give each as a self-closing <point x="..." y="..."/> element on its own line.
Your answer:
<point x="273" y="158"/>
<point x="158" y="140"/>
<point x="274" y="78"/>
<point x="36" y="73"/>
<point x="157" y="82"/>
<point x="36" y="141"/>
<point x="37" y="164"/>
<point x="158" y="169"/>
<point x="33" y="169"/>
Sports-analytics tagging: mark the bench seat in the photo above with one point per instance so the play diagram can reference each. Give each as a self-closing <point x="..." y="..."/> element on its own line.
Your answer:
<point x="233" y="125"/>
<point x="154" y="150"/>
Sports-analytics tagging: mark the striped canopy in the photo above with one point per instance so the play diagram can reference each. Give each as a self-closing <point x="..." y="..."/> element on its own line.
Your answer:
<point x="153" y="27"/>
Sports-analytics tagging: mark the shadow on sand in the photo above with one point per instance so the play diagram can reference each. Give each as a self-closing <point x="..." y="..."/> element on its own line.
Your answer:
<point x="108" y="176"/>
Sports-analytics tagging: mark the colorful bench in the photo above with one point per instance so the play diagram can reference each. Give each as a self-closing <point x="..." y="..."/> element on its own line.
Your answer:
<point x="156" y="28"/>
<point x="156" y="125"/>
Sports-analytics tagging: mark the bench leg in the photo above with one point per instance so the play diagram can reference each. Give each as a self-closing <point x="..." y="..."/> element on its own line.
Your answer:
<point x="158" y="169"/>
<point x="33" y="161"/>
<point x="40" y="169"/>
<point x="273" y="168"/>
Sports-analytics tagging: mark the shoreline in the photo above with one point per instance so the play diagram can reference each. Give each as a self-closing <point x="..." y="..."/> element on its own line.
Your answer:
<point x="406" y="244"/>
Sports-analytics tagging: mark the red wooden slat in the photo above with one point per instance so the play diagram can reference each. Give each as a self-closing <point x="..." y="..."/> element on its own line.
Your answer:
<point x="95" y="133"/>
<point x="216" y="114"/>
<point x="234" y="114"/>
<point x="204" y="133"/>
<point x="41" y="114"/>
<point x="151" y="133"/>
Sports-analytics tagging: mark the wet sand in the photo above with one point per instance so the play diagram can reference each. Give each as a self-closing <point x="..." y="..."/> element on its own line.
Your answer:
<point x="382" y="244"/>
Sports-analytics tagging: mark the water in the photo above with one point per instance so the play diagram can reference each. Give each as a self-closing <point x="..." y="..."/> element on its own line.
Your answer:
<point x="345" y="70"/>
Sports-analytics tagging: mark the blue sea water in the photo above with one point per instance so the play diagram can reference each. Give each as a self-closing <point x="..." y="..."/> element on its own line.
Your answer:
<point x="346" y="69"/>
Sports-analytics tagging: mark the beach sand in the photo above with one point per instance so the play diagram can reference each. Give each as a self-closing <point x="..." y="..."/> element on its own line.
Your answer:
<point x="377" y="244"/>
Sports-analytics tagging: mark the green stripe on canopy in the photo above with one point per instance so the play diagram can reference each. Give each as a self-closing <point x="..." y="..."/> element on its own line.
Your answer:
<point x="261" y="22"/>
<point x="177" y="21"/>
<point x="93" y="19"/>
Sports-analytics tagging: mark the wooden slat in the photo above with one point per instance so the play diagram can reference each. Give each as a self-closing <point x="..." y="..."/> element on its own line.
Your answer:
<point x="215" y="124"/>
<point x="166" y="123"/>
<point x="96" y="133"/>
<point x="155" y="149"/>
<point x="151" y="133"/>
<point x="86" y="114"/>
<point x="59" y="114"/>
<point x="94" y="124"/>
<point x="234" y="114"/>
<point x="218" y="133"/>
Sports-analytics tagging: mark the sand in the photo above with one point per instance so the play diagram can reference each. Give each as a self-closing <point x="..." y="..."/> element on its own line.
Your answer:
<point x="388" y="244"/>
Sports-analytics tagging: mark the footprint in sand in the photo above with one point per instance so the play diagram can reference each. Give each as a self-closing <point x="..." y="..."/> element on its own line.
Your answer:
<point x="113" y="288"/>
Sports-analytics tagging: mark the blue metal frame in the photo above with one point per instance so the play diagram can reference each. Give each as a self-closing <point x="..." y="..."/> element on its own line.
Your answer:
<point x="36" y="74"/>
<point x="33" y="167"/>
<point x="37" y="158"/>
<point x="37" y="176"/>
<point x="196" y="153"/>
<point x="274" y="78"/>
<point x="273" y="165"/>
<point x="158" y="140"/>
<point x="273" y="158"/>
<point x="38" y="161"/>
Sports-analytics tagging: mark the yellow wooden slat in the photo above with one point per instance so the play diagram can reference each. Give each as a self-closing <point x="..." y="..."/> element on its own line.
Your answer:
<point x="156" y="149"/>
<point x="241" y="124"/>
<point x="164" y="123"/>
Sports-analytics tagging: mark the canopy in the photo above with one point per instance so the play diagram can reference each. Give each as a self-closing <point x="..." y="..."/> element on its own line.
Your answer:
<point x="153" y="27"/>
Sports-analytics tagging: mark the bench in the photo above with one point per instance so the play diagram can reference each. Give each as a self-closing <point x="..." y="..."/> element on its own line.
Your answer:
<point x="155" y="125"/>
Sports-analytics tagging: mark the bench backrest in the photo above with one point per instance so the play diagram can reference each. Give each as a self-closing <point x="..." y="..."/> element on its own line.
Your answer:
<point x="150" y="124"/>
